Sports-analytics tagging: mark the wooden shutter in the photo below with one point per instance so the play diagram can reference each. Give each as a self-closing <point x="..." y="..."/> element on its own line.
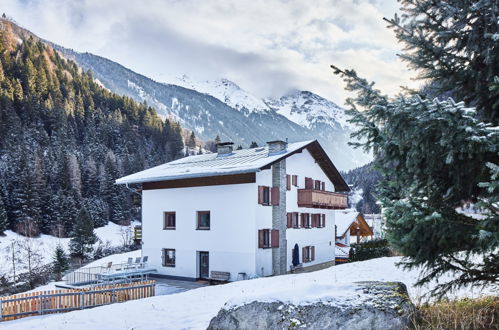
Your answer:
<point x="312" y="253"/>
<point x="274" y="196"/>
<point x="323" y="224"/>
<point x="288" y="182"/>
<point x="290" y="220"/>
<point x="302" y="220"/>
<point x="274" y="238"/>
<point x="260" y="194"/>
<point x="304" y="254"/>
<point x="309" y="183"/>
<point x="295" y="180"/>
<point x="261" y="238"/>
<point x="323" y="186"/>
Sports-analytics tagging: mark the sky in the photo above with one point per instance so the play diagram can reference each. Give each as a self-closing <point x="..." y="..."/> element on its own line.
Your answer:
<point x="267" y="47"/>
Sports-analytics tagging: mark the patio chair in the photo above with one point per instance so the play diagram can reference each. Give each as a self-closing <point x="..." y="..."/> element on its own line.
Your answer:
<point x="144" y="261"/>
<point x="107" y="268"/>
<point x="129" y="263"/>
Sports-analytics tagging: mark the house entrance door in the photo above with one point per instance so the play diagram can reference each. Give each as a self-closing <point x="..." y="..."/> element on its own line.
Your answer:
<point x="204" y="264"/>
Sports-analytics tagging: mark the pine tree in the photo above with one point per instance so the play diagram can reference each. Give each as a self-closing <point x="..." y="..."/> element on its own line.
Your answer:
<point x="217" y="139"/>
<point x="3" y="216"/>
<point x="253" y="144"/>
<point x="60" y="262"/>
<point x="454" y="45"/>
<point x="192" y="141"/>
<point x="83" y="237"/>
<point x="433" y="153"/>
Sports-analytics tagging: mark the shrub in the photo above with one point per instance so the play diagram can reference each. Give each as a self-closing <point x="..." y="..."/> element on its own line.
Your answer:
<point x="375" y="248"/>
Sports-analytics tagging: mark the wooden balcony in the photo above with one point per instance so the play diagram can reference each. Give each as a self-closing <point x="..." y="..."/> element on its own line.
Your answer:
<point x="321" y="199"/>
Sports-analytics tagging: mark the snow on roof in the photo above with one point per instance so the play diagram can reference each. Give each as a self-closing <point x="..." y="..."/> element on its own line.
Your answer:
<point x="343" y="219"/>
<point x="237" y="162"/>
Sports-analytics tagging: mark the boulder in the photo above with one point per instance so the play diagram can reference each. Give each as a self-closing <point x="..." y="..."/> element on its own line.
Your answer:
<point x="373" y="305"/>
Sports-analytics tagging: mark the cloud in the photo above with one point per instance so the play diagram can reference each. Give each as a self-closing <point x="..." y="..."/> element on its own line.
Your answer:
<point x="267" y="47"/>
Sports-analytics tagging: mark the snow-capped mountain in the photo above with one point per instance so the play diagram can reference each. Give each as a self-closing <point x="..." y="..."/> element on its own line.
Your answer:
<point x="310" y="110"/>
<point x="224" y="90"/>
<point x="221" y="107"/>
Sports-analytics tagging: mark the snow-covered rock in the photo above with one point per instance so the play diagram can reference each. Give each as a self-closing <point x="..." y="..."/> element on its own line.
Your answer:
<point x="363" y="305"/>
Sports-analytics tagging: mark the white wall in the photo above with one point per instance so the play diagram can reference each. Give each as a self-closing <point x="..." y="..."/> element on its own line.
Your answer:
<point x="263" y="257"/>
<point x="303" y="165"/>
<point x="230" y="240"/>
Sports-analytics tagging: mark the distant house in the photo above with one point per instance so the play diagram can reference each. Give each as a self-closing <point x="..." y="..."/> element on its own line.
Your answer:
<point x="249" y="212"/>
<point x="349" y="224"/>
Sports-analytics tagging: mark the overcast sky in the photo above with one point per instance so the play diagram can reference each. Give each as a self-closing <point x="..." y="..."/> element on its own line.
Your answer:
<point x="267" y="47"/>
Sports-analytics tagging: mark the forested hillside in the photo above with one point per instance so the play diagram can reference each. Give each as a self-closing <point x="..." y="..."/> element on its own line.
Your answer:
<point x="365" y="179"/>
<point x="64" y="140"/>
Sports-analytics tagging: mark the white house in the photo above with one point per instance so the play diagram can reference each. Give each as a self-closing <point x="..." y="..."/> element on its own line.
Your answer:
<point x="240" y="211"/>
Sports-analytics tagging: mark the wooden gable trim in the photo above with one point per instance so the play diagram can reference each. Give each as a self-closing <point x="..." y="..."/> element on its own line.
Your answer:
<point x="202" y="181"/>
<point x="364" y="229"/>
<point x="324" y="163"/>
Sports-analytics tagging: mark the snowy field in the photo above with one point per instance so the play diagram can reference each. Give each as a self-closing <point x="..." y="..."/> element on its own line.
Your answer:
<point x="194" y="309"/>
<point x="45" y="244"/>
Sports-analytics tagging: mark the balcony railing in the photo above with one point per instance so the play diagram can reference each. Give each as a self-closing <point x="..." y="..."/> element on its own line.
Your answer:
<point x="321" y="199"/>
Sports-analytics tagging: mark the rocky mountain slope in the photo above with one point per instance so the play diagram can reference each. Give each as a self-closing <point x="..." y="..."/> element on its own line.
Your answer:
<point x="221" y="107"/>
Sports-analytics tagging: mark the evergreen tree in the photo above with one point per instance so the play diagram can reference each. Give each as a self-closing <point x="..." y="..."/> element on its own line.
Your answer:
<point x="253" y="144"/>
<point x="454" y="45"/>
<point x="192" y="141"/>
<point x="3" y="216"/>
<point x="217" y="139"/>
<point x="434" y="154"/>
<point x="83" y="237"/>
<point x="60" y="262"/>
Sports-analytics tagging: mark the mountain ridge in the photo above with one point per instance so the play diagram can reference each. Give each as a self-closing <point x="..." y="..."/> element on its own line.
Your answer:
<point x="222" y="108"/>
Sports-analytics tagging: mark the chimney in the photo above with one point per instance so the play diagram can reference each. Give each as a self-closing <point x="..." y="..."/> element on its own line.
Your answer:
<point x="277" y="146"/>
<point x="224" y="148"/>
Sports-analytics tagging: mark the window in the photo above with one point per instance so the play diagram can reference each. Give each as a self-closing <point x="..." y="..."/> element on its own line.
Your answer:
<point x="305" y="220"/>
<point x="294" y="180"/>
<point x="268" y="238"/>
<point x="317" y="185"/>
<point x="169" y="220"/>
<point x="308" y="254"/>
<point x="293" y="220"/>
<point x="323" y="221"/>
<point x="263" y="195"/>
<point x="203" y="220"/>
<point x="168" y="257"/>
<point x="268" y="196"/>
<point x="309" y="183"/>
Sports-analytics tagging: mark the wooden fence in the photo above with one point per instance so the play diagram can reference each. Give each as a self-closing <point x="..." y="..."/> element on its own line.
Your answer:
<point x="57" y="301"/>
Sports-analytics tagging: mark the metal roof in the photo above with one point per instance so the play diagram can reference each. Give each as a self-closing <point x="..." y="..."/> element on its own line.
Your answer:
<point x="236" y="162"/>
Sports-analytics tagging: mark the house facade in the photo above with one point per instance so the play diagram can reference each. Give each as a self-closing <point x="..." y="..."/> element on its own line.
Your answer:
<point x="246" y="212"/>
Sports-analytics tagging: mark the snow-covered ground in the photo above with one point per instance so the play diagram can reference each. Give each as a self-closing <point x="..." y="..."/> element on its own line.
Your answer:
<point x="194" y="309"/>
<point x="45" y="245"/>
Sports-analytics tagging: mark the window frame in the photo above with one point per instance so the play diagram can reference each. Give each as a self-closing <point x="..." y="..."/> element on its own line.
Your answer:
<point x="198" y="218"/>
<point x="164" y="257"/>
<point x="296" y="219"/>
<point x="266" y="193"/>
<point x="165" y="220"/>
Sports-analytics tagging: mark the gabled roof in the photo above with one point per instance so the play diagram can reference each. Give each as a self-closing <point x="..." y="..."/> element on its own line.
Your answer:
<point x="237" y="162"/>
<point x="344" y="220"/>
